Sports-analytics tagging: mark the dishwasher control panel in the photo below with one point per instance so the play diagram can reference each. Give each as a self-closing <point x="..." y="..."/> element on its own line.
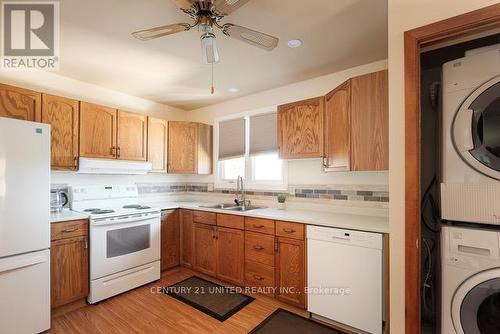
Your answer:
<point x="349" y="237"/>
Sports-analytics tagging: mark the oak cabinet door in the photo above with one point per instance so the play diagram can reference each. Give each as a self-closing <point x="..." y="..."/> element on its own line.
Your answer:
<point x="20" y="103"/>
<point x="370" y="122"/>
<point x="131" y="136"/>
<point x="157" y="143"/>
<point x="291" y="272"/>
<point x="97" y="131"/>
<point x="69" y="270"/>
<point x="338" y="128"/>
<point x="170" y="239"/>
<point x="205" y="249"/>
<point x="187" y="237"/>
<point x="300" y="129"/>
<point x="231" y="255"/>
<point x="182" y="147"/>
<point x="63" y="116"/>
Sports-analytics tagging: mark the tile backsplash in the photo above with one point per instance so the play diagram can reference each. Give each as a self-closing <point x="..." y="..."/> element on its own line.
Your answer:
<point x="370" y="193"/>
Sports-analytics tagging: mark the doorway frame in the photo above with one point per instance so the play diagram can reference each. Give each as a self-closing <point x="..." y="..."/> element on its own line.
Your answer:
<point x="450" y="29"/>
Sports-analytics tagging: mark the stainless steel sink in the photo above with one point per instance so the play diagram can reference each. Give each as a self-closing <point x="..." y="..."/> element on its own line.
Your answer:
<point x="230" y="207"/>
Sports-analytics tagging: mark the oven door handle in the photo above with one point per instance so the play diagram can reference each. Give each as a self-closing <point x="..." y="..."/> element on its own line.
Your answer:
<point x="124" y="220"/>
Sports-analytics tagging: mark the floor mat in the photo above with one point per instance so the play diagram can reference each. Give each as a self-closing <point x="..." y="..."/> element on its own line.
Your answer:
<point x="213" y="299"/>
<point x="282" y="321"/>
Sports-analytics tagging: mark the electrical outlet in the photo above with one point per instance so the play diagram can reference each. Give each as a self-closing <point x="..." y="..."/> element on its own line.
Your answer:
<point x="210" y="187"/>
<point x="291" y="190"/>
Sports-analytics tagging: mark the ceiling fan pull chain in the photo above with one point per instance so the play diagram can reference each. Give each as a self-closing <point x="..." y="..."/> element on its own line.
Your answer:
<point x="212" y="89"/>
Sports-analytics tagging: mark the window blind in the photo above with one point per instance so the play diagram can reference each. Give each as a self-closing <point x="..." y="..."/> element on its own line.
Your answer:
<point x="232" y="139"/>
<point x="263" y="134"/>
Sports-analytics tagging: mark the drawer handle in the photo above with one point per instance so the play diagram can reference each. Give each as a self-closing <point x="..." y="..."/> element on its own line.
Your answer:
<point x="258" y="278"/>
<point x="258" y="226"/>
<point x="288" y="230"/>
<point x="257" y="247"/>
<point x="69" y="230"/>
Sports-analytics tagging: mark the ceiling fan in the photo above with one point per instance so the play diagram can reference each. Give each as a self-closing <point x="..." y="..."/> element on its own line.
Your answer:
<point x="207" y="14"/>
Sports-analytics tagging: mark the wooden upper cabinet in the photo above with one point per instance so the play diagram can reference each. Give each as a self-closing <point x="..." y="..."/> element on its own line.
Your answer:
<point x="97" y="131"/>
<point x="356" y="124"/>
<point x="189" y="148"/>
<point x="63" y="116"/>
<point x="370" y="122"/>
<point x="132" y="136"/>
<point x="182" y="147"/>
<point x="157" y="143"/>
<point x="20" y="103"/>
<point x="338" y="128"/>
<point x="300" y="129"/>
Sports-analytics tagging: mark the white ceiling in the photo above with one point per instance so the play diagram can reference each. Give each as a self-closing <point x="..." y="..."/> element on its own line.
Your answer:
<point x="96" y="47"/>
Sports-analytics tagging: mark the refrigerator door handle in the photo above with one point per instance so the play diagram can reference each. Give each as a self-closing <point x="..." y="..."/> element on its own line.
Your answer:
<point x="8" y="265"/>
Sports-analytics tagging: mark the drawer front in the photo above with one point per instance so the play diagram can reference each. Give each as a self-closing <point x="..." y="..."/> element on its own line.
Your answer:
<point x="230" y="221"/>
<point x="201" y="217"/>
<point x="259" y="248"/>
<point x="259" y="225"/>
<point x="290" y="230"/>
<point x="259" y="275"/>
<point x="69" y="229"/>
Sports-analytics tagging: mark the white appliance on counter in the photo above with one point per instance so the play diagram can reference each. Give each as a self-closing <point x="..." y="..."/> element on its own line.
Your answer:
<point x="124" y="239"/>
<point x="470" y="188"/>
<point x="470" y="282"/>
<point x="345" y="278"/>
<point x="24" y="226"/>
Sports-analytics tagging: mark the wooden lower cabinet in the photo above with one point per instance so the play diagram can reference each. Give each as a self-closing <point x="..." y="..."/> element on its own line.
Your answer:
<point x="69" y="265"/>
<point x="230" y="255"/>
<point x="205" y="251"/>
<point x="291" y="271"/>
<point x="187" y="237"/>
<point x="170" y="239"/>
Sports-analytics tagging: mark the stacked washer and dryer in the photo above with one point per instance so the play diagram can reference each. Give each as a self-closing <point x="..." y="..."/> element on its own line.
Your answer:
<point x="470" y="193"/>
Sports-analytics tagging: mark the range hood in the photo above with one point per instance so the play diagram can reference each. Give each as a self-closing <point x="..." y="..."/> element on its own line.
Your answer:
<point x="115" y="167"/>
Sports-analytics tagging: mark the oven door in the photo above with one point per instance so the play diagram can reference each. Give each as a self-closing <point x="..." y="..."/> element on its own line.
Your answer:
<point x="476" y="129"/>
<point x="118" y="244"/>
<point x="476" y="304"/>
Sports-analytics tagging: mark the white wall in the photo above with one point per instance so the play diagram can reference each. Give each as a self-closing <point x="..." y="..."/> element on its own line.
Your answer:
<point x="405" y="15"/>
<point x="300" y="171"/>
<point x="52" y="83"/>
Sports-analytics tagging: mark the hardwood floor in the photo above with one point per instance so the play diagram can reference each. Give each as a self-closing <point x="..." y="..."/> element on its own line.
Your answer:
<point x="141" y="311"/>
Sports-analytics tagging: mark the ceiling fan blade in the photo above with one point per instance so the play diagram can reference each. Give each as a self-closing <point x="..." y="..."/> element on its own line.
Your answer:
<point x="226" y="7"/>
<point x="184" y="4"/>
<point x="146" y="35"/>
<point x="252" y="37"/>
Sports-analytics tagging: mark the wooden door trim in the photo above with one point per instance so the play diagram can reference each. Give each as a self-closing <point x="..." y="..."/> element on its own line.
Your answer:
<point x="449" y="29"/>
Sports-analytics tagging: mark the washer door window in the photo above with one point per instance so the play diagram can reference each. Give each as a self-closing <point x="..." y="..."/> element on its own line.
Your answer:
<point x="476" y="129"/>
<point x="476" y="304"/>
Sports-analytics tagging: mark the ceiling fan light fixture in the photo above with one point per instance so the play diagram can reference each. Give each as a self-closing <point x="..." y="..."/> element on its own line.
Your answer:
<point x="209" y="48"/>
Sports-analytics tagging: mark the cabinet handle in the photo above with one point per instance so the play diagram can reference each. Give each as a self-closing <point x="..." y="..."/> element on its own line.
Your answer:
<point x="257" y="247"/>
<point x="69" y="230"/>
<point x="118" y="151"/>
<point x="113" y="151"/>
<point x="276" y="248"/>
<point x="288" y="230"/>
<point x="86" y="244"/>
<point x="75" y="162"/>
<point x="258" y="278"/>
<point x="325" y="165"/>
<point x="258" y="226"/>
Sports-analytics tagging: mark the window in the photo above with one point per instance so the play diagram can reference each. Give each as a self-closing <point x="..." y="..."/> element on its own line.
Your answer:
<point x="260" y="166"/>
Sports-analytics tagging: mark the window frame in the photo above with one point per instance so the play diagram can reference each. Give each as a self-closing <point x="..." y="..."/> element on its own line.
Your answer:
<point x="250" y="183"/>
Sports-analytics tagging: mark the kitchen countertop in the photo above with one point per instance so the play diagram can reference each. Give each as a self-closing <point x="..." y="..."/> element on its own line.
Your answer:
<point x="350" y="221"/>
<point x="66" y="215"/>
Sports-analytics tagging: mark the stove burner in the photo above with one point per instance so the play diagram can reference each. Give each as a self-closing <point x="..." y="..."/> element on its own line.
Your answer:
<point x="137" y="206"/>
<point x="95" y="211"/>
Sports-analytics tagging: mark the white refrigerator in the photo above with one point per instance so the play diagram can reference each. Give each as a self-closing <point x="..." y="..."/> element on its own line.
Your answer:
<point x="24" y="226"/>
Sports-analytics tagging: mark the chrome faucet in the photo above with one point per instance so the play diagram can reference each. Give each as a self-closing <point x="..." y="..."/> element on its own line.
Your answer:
<point x="241" y="195"/>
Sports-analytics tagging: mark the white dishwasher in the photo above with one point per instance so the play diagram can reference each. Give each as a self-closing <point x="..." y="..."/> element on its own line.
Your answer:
<point x="345" y="277"/>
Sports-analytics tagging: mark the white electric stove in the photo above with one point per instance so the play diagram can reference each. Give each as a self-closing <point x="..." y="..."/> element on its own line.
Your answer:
<point x="124" y="239"/>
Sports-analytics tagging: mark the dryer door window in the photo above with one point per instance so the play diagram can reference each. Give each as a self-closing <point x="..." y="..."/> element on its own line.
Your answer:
<point x="486" y="127"/>
<point x="480" y="309"/>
